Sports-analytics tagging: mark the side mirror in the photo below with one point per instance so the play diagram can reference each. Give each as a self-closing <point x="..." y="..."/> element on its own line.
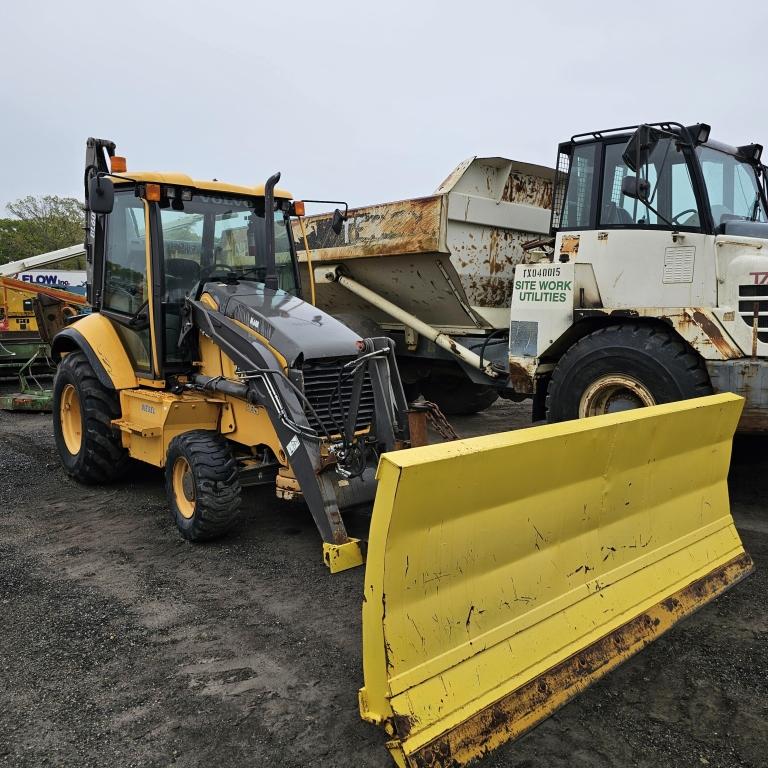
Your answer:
<point x="101" y="195"/>
<point x="338" y="221"/>
<point x="639" y="189"/>
<point x="640" y="147"/>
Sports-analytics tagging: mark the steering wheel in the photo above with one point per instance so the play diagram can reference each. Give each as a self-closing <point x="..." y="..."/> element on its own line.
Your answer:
<point x="207" y="272"/>
<point x="682" y="213"/>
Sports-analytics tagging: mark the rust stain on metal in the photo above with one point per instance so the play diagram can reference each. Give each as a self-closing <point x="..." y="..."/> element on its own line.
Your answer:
<point x="520" y="379"/>
<point x="515" y="714"/>
<point x="714" y="334"/>
<point x="487" y="291"/>
<point x="528" y="190"/>
<point x="401" y="725"/>
<point x="569" y="245"/>
<point x="405" y="226"/>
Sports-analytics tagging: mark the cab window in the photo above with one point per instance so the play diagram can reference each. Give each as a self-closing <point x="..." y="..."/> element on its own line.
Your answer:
<point x="671" y="200"/>
<point x="209" y="236"/>
<point x="125" y="274"/>
<point x="577" y="211"/>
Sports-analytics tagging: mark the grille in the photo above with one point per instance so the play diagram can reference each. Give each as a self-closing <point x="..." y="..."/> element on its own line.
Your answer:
<point x="320" y="382"/>
<point x="751" y="298"/>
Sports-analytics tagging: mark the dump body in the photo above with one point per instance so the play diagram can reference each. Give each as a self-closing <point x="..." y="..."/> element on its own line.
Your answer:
<point x="448" y="258"/>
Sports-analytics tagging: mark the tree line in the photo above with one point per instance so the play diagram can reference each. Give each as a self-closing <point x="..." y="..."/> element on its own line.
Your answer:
<point x="38" y="224"/>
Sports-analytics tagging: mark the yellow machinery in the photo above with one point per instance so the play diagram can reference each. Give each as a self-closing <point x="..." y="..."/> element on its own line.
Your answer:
<point x="201" y="357"/>
<point x="29" y="318"/>
<point x="19" y="332"/>
<point x="506" y="573"/>
<point x="503" y="574"/>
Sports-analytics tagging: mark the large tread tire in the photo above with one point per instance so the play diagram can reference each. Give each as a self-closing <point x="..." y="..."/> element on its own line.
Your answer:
<point x="456" y="394"/>
<point x="101" y="457"/>
<point x="213" y="481"/>
<point x="666" y="368"/>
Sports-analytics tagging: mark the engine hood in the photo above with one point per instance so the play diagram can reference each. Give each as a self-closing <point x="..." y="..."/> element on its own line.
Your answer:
<point x="741" y="228"/>
<point x="291" y="325"/>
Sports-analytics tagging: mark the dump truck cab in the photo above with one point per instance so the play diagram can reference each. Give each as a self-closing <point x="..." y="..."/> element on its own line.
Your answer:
<point x="200" y="345"/>
<point x="659" y="238"/>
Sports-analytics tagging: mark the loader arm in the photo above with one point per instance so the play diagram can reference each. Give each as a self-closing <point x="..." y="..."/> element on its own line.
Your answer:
<point x="264" y="383"/>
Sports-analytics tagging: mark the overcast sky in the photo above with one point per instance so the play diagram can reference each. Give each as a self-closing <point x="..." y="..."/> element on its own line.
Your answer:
<point x="359" y="101"/>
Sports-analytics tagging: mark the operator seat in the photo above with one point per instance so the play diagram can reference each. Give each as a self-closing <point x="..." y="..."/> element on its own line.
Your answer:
<point x="614" y="214"/>
<point x="181" y="276"/>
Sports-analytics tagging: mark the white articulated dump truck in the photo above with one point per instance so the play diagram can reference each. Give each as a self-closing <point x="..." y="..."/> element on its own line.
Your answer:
<point x="435" y="274"/>
<point x="646" y="281"/>
<point x="655" y="286"/>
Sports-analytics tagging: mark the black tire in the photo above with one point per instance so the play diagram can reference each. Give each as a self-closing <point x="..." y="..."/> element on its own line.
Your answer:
<point x="100" y="457"/>
<point x="456" y="394"/>
<point x="209" y="504"/>
<point x="656" y="365"/>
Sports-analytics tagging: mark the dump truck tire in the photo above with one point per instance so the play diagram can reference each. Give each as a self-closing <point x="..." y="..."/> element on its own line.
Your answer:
<point x="623" y="367"/>
<point x="201" y="479"/>
<point x="456" y="395"/>
<point x="83" y="409"/>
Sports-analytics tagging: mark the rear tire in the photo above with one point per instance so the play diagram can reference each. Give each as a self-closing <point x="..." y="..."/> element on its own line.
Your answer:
<point x="201" y="480"/>
<point x="623" y="367"/>
<point x="90" y="448"/>
<point x="456" y="394"/>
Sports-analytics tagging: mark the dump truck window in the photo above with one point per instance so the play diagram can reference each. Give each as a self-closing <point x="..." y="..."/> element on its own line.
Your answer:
<point x="125" y="272"/>
<point x="731" y="186"/>
<point x="577" y="212"/>
<point x="671" y="189"/>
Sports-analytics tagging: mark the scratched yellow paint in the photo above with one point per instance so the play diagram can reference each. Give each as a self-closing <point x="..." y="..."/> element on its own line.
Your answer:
<point x="493" y="559"/>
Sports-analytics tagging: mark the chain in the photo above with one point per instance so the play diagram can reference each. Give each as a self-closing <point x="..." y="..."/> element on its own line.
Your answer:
<point x="438" y="422"/>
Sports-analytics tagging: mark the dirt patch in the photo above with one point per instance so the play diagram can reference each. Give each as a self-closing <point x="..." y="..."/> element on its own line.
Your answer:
<point x="123" y="645"/>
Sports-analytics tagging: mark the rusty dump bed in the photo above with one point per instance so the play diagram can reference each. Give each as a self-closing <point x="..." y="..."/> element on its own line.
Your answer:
<point x="447" y="258"/>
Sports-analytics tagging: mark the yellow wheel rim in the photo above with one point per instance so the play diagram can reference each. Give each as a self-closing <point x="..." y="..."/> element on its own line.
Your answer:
<point x="71" y="419"/>
<point x="184" y="487"/>
<point x="612" y="394"/>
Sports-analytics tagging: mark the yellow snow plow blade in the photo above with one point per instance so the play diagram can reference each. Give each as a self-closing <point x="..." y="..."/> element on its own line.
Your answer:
<point x="506" y="573"/>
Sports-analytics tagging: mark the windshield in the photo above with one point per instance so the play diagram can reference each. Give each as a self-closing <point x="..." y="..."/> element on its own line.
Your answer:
<point x="732" y="187"/>
<point x="671" y="201"/>
<point x="211" y="235"/>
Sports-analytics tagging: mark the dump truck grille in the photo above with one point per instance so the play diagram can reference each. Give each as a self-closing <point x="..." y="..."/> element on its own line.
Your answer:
<point x="754" y="298"/>
<point x="331" y="402"/>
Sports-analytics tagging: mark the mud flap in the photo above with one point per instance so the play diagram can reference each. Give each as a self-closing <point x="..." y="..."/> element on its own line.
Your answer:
<point x="506" y="573"/>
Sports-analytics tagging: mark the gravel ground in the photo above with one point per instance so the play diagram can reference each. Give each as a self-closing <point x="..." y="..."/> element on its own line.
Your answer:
<point x="123" y="645"/>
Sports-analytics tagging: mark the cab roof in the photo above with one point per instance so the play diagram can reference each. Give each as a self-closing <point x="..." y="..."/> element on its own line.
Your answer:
<point x="182" y="180"/>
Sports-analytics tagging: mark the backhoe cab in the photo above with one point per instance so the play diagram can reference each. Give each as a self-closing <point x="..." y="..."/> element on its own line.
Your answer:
<point x="202" y="357"/>
<point x="653" y="290"/>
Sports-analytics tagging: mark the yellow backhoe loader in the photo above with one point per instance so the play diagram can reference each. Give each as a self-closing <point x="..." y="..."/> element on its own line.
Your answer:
<point x="200" y="357"/>
<point x="503" y="574"/>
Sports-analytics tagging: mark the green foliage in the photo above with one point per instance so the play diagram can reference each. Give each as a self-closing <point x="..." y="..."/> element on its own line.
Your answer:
<point x="39" y="225"/>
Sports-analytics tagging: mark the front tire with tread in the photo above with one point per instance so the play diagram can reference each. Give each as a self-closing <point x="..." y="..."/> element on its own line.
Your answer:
<point x="212" y="502"/>
<point x="663" y="365"/>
